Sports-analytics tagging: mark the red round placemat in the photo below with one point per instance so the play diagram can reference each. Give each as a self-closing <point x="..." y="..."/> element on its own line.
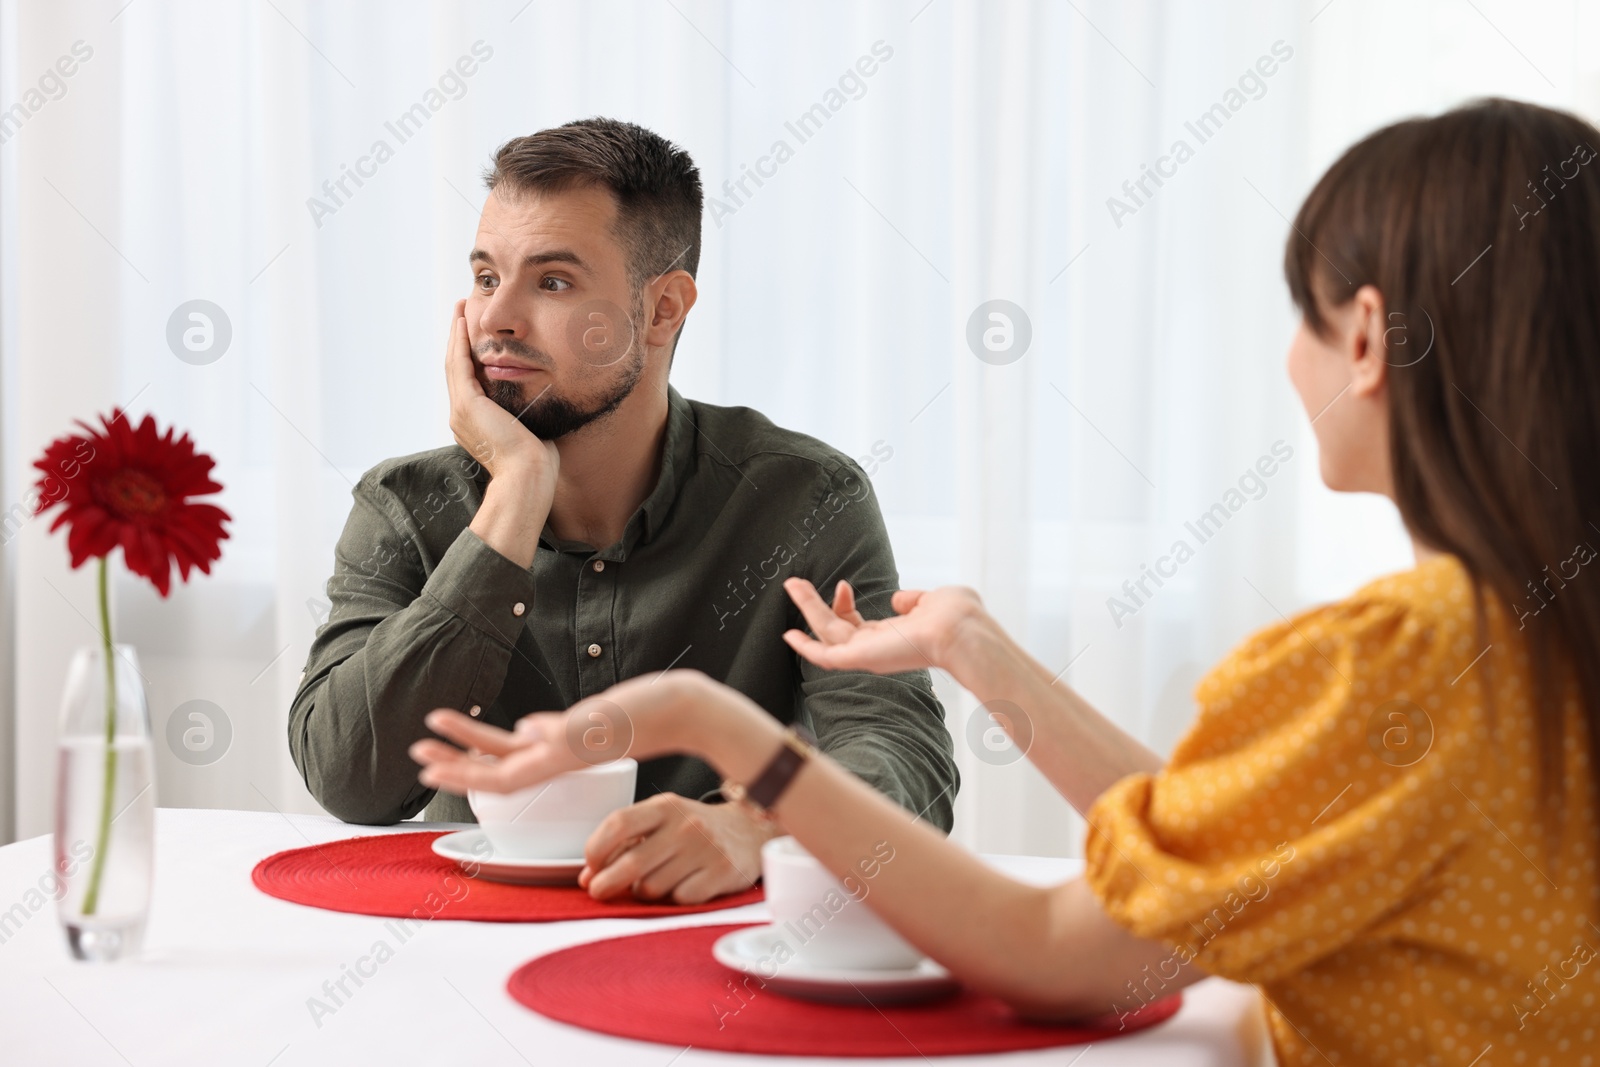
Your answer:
<point x="664" y="986"/>
<point x="399" y="875"/>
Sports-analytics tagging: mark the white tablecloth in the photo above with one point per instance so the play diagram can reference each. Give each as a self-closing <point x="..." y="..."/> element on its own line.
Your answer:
<point x="228" y="971"/>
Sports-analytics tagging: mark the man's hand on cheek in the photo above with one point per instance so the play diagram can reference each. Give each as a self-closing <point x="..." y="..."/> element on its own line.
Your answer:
<point x="671" y="847"/>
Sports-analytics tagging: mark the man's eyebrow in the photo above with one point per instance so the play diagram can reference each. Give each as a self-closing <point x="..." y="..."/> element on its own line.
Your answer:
<point x="535" y="259"/>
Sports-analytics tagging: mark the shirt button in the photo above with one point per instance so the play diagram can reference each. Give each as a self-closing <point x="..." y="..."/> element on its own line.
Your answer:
<point x="475" y="710"/>
<point x="594" y="650"/>
<point x="599" y="564"/>
<point x="518" y="608"/>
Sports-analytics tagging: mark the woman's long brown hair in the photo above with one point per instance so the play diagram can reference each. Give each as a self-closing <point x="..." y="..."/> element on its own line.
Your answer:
<point x="1481" y="229"/>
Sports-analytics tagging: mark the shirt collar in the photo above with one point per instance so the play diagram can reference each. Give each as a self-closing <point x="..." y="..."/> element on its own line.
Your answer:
<point x="677" y="463"/>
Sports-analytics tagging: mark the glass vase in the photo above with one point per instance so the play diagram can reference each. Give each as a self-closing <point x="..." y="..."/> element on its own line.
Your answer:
<point x="105" y="806"/>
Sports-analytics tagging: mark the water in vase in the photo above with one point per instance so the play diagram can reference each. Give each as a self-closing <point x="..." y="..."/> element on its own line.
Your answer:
<point x="104" y="920"/>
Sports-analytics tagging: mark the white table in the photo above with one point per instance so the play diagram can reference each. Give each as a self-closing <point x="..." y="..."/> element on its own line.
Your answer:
<point x="227" y="972"/>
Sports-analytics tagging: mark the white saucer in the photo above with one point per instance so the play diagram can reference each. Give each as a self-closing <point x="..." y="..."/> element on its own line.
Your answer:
<point x="473" y="852"/>
<point x="745" y="950"/>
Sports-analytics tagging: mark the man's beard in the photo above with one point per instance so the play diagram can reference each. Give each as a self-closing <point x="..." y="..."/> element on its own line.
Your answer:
<point x="550" y="417"/>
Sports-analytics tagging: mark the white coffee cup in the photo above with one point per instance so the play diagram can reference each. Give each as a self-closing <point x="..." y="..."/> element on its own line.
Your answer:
<point x="822" y="922"/>
<point x="553" y="820"/>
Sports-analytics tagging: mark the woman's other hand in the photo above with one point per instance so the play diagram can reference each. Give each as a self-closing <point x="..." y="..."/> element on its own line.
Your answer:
<point x="925" y="630"/>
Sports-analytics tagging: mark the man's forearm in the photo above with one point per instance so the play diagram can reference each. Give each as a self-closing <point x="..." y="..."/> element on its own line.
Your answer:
<point x="512" y="516"/>
<point x="388" y="657"/>
<point x="887" y="730"/>
<point x="904" y="754"/>
<point x="350" y="731"/>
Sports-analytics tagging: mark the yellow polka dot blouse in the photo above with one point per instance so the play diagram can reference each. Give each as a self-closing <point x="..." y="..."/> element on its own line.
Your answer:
<point x="1357" y="823"/>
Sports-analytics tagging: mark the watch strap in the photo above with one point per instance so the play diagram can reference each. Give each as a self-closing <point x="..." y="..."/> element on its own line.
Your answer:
<point x="769" y="785"/>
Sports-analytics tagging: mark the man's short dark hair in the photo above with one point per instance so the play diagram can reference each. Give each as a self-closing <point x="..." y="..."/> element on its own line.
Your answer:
<point x="656" y="184"/>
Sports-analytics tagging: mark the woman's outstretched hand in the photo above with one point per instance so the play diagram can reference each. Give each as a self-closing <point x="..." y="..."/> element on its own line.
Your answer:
<point x="633" y="718"/>
<point x="650" y="715"/>
<point x="922" y="633"/>
<point x="496" y="760"/>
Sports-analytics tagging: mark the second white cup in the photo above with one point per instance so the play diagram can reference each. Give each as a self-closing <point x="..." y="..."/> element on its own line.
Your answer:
<point x="825" y="925"/>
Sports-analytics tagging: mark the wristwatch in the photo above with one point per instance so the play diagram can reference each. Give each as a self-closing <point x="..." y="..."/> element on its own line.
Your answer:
<point x="798" y="746"/>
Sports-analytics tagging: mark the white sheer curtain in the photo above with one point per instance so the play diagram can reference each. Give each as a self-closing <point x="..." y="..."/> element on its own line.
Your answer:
<point x="973" y="163"/>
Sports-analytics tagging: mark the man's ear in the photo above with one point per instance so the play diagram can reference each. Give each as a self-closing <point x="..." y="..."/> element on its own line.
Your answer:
<point x="674" y="294"/>
<point x="1366" y="343"/>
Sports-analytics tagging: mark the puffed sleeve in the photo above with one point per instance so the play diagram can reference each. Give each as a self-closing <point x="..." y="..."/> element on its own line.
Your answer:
<point x="1314" y="799"/>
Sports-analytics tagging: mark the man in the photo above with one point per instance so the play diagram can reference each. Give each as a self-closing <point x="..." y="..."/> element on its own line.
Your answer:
<point x="592" y="525"/>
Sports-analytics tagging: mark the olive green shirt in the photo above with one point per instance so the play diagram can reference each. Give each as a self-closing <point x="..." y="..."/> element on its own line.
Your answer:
<point x="425" y="615"/>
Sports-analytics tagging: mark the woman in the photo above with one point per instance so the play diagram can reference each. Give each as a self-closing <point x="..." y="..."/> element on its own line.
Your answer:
<point x="1384" y="815"/>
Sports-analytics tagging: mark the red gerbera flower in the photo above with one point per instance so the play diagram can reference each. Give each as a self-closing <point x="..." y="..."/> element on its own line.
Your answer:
<point x="129" y="486"/>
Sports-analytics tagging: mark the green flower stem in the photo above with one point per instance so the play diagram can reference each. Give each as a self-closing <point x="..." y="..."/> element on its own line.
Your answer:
<point x="91" y="897"/>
